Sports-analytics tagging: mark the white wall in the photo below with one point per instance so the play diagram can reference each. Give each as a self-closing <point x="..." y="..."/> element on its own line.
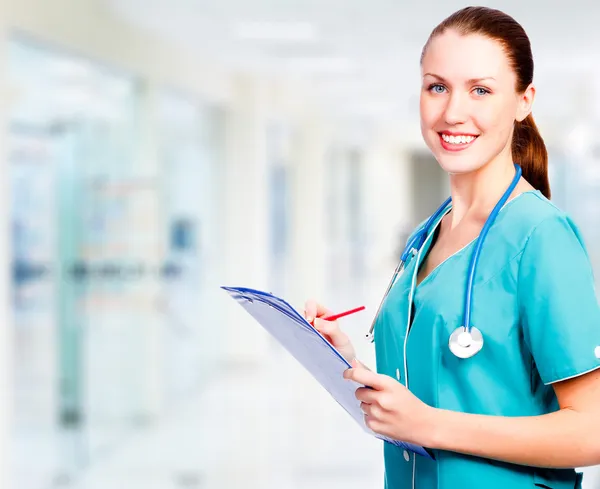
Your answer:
<point x="244" y="212"/>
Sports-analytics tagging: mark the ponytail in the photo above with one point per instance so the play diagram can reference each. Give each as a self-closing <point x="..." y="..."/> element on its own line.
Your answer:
<point x="529" y="151"/>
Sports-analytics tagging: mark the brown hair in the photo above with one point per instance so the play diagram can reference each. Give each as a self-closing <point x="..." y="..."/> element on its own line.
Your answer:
<point x="528" y="148"/>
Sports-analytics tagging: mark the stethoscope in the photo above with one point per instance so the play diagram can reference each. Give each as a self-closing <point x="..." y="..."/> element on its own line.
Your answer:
<point x="465" y="341"/>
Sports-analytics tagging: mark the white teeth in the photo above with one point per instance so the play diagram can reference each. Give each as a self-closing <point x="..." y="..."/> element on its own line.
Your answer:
<point x="457" y="139"/>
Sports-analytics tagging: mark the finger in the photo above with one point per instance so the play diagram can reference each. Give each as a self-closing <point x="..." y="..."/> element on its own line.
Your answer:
<point x="366" y="395"/>
<point x="331" y="329"/>
<point x="312" y="310"/>
<point x="358" y="363"/>
<point x="368" y="378"/>
<point x="370" y="410"/>
<point x="373" y="424"/>
<point x="366" y="409"/>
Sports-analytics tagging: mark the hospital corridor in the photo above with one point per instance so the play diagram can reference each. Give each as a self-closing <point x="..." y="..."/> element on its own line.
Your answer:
<point x="155" y="151"/>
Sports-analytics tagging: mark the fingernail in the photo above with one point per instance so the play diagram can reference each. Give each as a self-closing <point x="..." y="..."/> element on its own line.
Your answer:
<point x="309" y="319"/>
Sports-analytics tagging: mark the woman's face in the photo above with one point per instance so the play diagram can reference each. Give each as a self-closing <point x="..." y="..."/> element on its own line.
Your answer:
<point x="468" y="101"/>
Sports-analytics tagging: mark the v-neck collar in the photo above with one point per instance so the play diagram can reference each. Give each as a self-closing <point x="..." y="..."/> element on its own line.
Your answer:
<point x="426" y="246"/>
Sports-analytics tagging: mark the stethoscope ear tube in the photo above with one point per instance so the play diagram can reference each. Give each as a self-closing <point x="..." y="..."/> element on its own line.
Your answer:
<point x="370" y="336"/>
<point x="410" y="250"/>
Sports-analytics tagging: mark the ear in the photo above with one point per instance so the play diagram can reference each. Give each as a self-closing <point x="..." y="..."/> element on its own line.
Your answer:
<point x="525" y="103"/>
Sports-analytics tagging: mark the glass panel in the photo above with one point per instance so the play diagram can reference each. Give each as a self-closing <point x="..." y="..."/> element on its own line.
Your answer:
<point x="189" y="157"/>
<point x="72" y="137"/>
<point x="279" y="140"/>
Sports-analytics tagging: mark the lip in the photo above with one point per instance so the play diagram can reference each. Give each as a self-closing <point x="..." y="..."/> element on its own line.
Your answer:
<point x="456" y="147"/>
<point x="450" y="133"/>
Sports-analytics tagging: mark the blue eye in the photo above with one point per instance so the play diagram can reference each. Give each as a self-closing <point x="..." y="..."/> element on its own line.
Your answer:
<point x="481" y="91"/>
<point x="437" y="88"/>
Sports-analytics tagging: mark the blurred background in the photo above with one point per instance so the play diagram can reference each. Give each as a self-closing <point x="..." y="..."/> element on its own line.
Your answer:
<point x="155" y="150"/>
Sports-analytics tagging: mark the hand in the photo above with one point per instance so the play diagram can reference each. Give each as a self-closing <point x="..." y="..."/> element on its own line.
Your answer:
<point x="391" y="409"/>
<point x="329" y="329"/>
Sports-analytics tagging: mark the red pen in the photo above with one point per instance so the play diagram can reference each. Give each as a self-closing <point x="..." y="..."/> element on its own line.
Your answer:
<point x="333" y="317"/>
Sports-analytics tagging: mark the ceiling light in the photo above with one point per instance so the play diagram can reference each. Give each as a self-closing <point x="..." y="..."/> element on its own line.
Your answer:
<point x="275" y="31"/>
<point x="321" y="65"/>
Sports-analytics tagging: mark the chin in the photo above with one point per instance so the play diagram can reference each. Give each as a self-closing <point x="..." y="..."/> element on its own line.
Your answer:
<point x="465" y="161"/>
<point x="456" y="165"/>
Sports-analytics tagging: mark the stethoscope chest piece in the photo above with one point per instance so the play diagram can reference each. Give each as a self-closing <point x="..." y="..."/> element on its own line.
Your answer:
<point x="465" y="344"/>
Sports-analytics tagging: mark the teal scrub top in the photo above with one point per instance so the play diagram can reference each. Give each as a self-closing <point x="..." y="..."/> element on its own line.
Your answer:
<point x="534" y="302"/>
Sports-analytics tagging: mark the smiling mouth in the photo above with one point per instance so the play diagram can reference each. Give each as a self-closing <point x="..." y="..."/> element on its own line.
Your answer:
<point x="456" y="142"/>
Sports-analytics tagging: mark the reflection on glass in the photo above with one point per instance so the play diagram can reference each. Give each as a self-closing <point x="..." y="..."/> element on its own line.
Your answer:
<point x="189" y="156"/>
<point x="72" y="138"/>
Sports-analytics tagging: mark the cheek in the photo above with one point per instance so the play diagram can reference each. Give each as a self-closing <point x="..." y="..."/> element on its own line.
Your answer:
<point x="496" y="119"/>
<point x="430" y="111"/>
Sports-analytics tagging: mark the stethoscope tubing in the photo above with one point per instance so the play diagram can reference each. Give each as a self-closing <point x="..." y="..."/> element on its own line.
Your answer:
<point x="415" y="244"/>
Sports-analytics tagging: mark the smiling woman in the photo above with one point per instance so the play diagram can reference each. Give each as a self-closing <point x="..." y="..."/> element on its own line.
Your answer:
<point x="480" y="99"/>
<point x="486" y="354"/>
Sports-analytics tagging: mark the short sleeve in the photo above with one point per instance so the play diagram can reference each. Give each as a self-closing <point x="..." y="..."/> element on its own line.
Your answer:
<point x="558" y="303"/>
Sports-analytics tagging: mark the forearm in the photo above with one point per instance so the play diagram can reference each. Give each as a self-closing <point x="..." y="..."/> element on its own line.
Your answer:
<point x="565" y="438"/>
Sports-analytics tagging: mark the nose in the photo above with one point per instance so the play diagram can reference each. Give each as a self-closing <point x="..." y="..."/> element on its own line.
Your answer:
<point x="456" y="109"/>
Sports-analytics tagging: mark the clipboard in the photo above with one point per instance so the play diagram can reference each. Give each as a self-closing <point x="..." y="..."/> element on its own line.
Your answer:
<point x="312" y="350"/>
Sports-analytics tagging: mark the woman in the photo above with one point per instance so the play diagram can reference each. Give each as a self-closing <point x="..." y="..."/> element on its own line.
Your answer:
<point x="525" y="409"/>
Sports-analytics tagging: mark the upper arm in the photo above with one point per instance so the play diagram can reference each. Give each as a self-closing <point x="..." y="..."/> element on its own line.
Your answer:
<point x="558" y="304"/>
<point x="580" y="393"/>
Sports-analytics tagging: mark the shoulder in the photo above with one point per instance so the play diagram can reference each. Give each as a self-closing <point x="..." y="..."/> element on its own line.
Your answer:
<point x="538" y="223"/>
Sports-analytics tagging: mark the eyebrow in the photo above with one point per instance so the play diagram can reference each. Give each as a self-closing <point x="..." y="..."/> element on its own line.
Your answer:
<point x="470" y="81"/>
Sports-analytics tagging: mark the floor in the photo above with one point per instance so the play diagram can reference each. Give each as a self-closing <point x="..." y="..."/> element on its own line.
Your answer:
<point x="257" y="427"/>
<point x="253" y="426"/>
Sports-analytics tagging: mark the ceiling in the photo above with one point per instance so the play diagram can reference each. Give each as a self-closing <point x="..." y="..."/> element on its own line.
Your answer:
<point x="361" y="57"/>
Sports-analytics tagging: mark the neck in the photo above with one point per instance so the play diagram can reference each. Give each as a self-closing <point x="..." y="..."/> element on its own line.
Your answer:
<point x="478" y="192"/>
